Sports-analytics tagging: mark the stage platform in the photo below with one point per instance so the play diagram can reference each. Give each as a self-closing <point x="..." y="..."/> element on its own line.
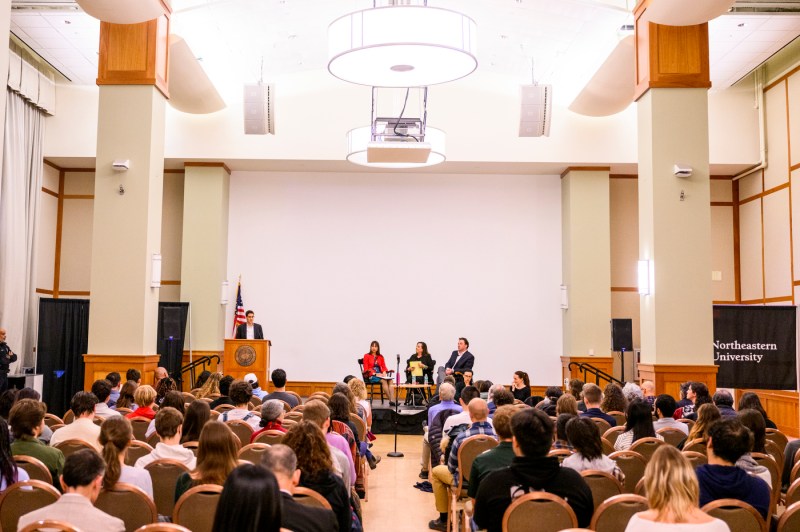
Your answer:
<point x="409" y="418"/>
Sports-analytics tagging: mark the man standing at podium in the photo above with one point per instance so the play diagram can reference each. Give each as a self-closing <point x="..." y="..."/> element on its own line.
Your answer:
<point x="7" y="356"/>
<point x="249" y="330"/>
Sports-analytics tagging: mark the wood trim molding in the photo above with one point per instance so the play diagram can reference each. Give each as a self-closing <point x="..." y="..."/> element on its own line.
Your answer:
<point x="59" y="231"/>
<point x="171" y="283"/>
<point x="50" y="192"/>
<point x="737" y="276"/>
<point x="668" y="377"/>
<point x="764" y="300"/>
<point x="52" y="165"/>
<point x="74" y="293"/>
<point x="789" y="157"/>
<point x="624" y="289"/>
<point x="202" y="164"/>
<point x="623" y="176"/>
<point x="79" y="196"/>
<point x="782" y="78"/>
<point x="765" y="193"/>
<point x="721" y="178"/>
<point x="722" y="204"/>
<point x="724" y="302"/>
<point x="569" y="169"/>
<point x="44" y="291"/>
<point x="80" y="170"/>
<point x="174" y="171"/>
<point x="783" y="407"/>
<point x="793" y="168"/>
<point x="100" y="365"/>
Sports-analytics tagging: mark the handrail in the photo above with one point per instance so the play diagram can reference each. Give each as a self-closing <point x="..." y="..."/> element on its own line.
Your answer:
<point x="597" y="372"/>
<point x="202" y="361"/>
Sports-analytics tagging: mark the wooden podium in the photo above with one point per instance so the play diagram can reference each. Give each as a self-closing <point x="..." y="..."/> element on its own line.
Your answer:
<point x="247" y="356"/>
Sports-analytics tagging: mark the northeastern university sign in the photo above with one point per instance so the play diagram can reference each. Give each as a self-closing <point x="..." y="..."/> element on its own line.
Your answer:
<point x="756" y="347"/>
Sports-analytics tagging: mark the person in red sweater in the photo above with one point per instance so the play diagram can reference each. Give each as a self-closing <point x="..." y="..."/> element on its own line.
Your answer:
<point x="375" y="368"/>
<point x="145" y="397"/>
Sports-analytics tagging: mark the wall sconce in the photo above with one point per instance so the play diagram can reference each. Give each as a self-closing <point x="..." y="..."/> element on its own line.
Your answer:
<point x="155" y="271"/>
<point x="223" y="298"/>
<point x="564" y="298"/>
<point x="644" y="277"/>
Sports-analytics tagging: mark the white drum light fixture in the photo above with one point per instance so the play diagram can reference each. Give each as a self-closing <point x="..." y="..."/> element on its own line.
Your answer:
<point x="402" y="45"/>
<point x="124" y="12"/>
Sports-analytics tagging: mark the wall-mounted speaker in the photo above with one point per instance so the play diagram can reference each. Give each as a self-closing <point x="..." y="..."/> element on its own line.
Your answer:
<point x="259" y="109"/>
<point x="536" y="110"/>
<point x="622" y="335"/>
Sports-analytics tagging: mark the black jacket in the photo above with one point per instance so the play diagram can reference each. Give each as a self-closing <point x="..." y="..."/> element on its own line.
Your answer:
<point x="299" y="517"/>
<point x="332" y="488"/>
<point x="241" y="332"/>
<point x="6" y="357"/>
<point x="528" y="475"/>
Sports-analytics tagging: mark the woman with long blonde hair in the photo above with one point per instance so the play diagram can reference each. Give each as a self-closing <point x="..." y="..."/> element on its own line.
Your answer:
<point x="216" y="457"/>
<point x="115" y="438"/>
<point x="707" y="414"/>
<point x="673" y="495"/>
<point x="359" y="390"/>
<point x="210" y="387"/>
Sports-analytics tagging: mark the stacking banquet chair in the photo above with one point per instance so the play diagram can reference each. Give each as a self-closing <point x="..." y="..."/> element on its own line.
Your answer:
<point x="695" y="458"/>
<point x="619" y="417"/>
<point x="613" y="433"/>
<point x="602" y="424"/>
<point x="697" y="445"/>
<point x="672" y="436"/>
<point x="775" y="474"/>
<point x="139" y="425"/>
<point x="162" y="527"/>
<point x="72" y="446"/>
<point x="49" y="524"/>
<point x="270" y="437"/>
<point x="310" y="497"/>
<point x="252" y="452"/>
<point x="469" y="449"/>
<point x="51" y="419"/>
<point x="613" y="515"/>
<point x="632" y="464"/>
<point x="22" y="498"/>
<point x="561" y="454"/>
<point x="196" y="508"/>
<point x="164" y="474"/>
<point x="549" y="512"/>
<point x="603" y="485"/>
<point x="646" y="447"/>
<point x="34" y="467"/>
<point x="128" y="503"/>
<point x="739" y="516"/>
<point x="793" y="494"/>
<point x="790" y="520"/>
<point x="241" y="429"/>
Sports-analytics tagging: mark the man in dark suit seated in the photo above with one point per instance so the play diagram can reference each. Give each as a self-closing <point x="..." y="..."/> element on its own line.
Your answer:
<point x="460" y="361"/>
<point x="249" y="330"/>
<point x="295" y="516"/>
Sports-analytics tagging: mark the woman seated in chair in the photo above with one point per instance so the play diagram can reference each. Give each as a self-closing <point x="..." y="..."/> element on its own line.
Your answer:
<point x="707" y="414"/>
<point x="116" y="435"/>
<point x="419" y="366"/>
<point x="197" y="415"/>
<point x="217" y="456"/>
<point x="250" y="500"/>
<point x="639" y="425"/>
<point x="375" y="368"/>
<point x="272" y="413"/>
<point x="9" y="472"/>
<point x="583" y="435"/>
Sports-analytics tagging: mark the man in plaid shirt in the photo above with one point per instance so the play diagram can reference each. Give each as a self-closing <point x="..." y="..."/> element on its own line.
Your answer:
<point x="443" y="476"/>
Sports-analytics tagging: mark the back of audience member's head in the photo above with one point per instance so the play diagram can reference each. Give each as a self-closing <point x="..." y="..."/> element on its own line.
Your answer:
<point x="83" y="403"/>
<point x="748" y="400"/>
<point x="339" y="406"/>
<point x="316" y="412"/>
<point x="197" y="415"/>
<point x="502" y="421"/>
<point x="451" y="380"/>
<point x="553" y="393"/>
<point x="358" y="388"/>
<point x="468" y="394"/>
<point x="168" y="421"/>
<point x="503" y="397"/>
<point x="217" y="453"/>
<point x="561" y="425"/>
<point x="666" y="405"/>
<point x="164" y="386"/>
<point x="446" y="391"/>
<point x="211" y="386"/>
<point x="493" y="390"/>
<point x="345" y="390"/>
<point x="281" y="460"/>
<point x="484" y="386"/>
<point x="29" y="393"/>
<point x="707" y="415"/>
<point x="728" y="439"/>
<point x="754" y="421"/>
<point x="126" y="399"/>
<point x="648" y="388"/>
<point x="533" y="432"/>
<point x="310" y="447"/>
<point x="478" y="410"/>
<point x="278" y="378"/>
<point x="114" y="378"/>
<point x="82" y="468"/>
<point x="225" y="384"/>
<point x="115" y="437"/>
<point x="613" y="399"/>
<point x="592" y="394"/>
<point x="240" y="393"/>
<point x="632" y="391"/>
<point x="567" y="404"/>
<point x="271" y="410"/>
<point x="685" y="389"/>
<point x="201" y="380"/>
<point x="250" y="500"/>
<point x="144" y="395"/>
<point x="101" y="389"/>
<point x="26" y="417"/>
<point x="723" y="398"/>
<point x="348" y="378"/>
<point x="7" y="399"/>
<point x="671" y="485"/>
<point x="639" y="419"/>
<point x="175" y="400"/>
<point x="576" y="388"/>
<point x="700" y="389"/>
<point x="584" y="436"/>
<point x="133" y="375"/>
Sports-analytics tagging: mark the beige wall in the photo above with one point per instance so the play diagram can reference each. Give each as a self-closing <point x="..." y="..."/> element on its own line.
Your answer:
<point x="171" y="236"/>
<point x="46" y="230"/>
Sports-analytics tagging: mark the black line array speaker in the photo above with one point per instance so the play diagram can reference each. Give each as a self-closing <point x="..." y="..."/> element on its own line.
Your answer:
<point x="622" y="335"/>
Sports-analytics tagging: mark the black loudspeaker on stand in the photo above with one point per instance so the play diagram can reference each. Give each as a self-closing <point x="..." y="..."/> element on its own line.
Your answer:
<point x="622" y="340"/>
<point x="396" y="453"/>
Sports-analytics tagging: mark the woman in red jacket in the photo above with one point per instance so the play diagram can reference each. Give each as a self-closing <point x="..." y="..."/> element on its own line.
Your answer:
<point x="375" y="368"/>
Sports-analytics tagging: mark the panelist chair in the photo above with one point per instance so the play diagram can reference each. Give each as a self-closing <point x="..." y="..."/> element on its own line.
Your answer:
<point x="370" y="385"/>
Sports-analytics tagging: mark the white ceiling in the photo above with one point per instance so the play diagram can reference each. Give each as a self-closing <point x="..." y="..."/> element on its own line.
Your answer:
<point x="566" y="40"/>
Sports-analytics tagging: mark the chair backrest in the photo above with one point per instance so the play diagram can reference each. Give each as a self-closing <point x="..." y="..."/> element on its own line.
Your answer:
<point x="613" y="515"/>
<point x="223" y="407"/>
<point x="252" y="452"/>
<point x="136" y="450"/>
<point x="640" y="488"/>
<point x="50" y="420"/>
<point x="688" y="422"/>
<point x="775" y="474"/>
<point x="193" y="445"/>
<point x="778" y="438"/>
<point x="672" y="436"/>
<point x="603" y="485"/>
<point x="139" y="425"/>
<point x="775" y="452"/>
<point x="74" y="445"/>
<point x="608" y="447"/>
<point x="360" y="425"/>
<point x="22" y="498"/>
<point x="469" y="449"/>
<point x="561" y="454"/>
<point x="286" y="406"/>
<point x="34" y="467"/>
<point x="57" y="426"/>
<point x="296" y="396"/>
<point x="602" y="424"/>
<point x="697" y="445"/>
<point x="49" y="524"/>
<point x="793" y="493"/>
<point x="310" y="497"/>
<point x="152" y="440"/>
<point x="739" y="516"/>
<point x="98" y="420"/>
<point x="196" y="508"/>
<point x="548" y="511"/>
<point x="633" y="465"/>
<point x="613" y="433"/>
<point x="299" y="408"/>
<point x="164" y="474"/>
<point x="69" y="417"/>
<point x="790" y="520"/>
<point x="162" y="527"/>
<point x="124" y="411"/>
<point x="255" y="401"/>
<point x="241" y="429"/>
<point x="270" y="437"/>
<point x="129" y="503"/>
<point x="619" y="417"/>
<point x="696" y="458"/>
<point x="646" y="447"/>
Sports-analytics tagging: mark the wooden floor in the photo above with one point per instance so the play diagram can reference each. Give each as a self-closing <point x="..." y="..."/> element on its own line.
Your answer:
<point x="394" y="504"/>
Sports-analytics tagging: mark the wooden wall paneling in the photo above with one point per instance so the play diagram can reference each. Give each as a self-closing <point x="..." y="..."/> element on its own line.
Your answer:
<point x="776" y="172"/>
<point x="722" y="254"/>
<point x="750" y="251"/>
<point x="98" y="366"/>
<point x="213" y="367"/>
<point x="603" y="363"/>
<point x="781" y="407"/>
<point x="668" y="378"/>
<point x="777" y="245"/>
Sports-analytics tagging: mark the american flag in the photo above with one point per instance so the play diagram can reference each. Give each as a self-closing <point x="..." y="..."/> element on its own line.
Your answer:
<point x="238" y="314"/>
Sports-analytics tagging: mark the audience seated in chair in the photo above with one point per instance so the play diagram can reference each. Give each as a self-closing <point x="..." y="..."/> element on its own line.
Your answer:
<point x="727" y="441"/>
<point x="531" y="470"/>
<point x="297" y="517"/>
<point x="173" y="399"/>
<point x="145" y="397"/>
<point x="217" y="456"/>
<point x="115" y="438"/>
<point x="83" y="428"/>
<point x="9" y="472"/>
<point x="649" y="392"/>
<point x="593" y="397"/>
<point x="115" y="380"/>
<point x="210" y="389"/>
<point x="102" y="390"/>
<point x="497" y="458"/>
<point x="444" y="476"/>
<point x="665" y="406"/>
<point x="252" y="380"/>
<point x="250" y="500"/>
<point x="447" y="392"/>
<point x="272" y="414"/>
<point x="279" y="391"/>
<point x="126" y="399"/>
<point x="318" y="413"/>
<point x="723" y="400"/>
<point x="638" y="425"/>
<point x="584" y="437"/>
<point x="27" y="419"/>
<point x="197" y="415"/>
<point x="240" y="393"/>
<point x="169" y="427"/>
<point x="224" y="390"/>
<point x="754" y="422"/>
<point x="81" y="482"/>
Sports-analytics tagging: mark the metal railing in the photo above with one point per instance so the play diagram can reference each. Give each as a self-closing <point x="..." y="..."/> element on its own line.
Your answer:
<point x="199" y="362"/>
<point x="597" y="373"/>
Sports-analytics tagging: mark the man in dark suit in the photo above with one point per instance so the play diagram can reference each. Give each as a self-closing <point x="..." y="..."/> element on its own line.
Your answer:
<point x="297" y="517"/>
<point x="7" y="356"/>
<point x="460" y="361"/>
<point x="249" y="330"/>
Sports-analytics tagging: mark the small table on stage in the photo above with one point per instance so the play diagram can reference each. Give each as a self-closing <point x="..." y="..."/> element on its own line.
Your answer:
<point x="413" y="387"/>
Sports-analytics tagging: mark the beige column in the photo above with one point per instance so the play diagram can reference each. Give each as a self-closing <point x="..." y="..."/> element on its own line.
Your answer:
<point x="674" y="212"/>
<point x="204" y="256"/>
<point x="586" y="265"/>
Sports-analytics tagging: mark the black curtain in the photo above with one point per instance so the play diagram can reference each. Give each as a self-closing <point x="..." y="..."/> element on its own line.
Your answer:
<point x="63" y="340"/>
<point x="171" y="333"/>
